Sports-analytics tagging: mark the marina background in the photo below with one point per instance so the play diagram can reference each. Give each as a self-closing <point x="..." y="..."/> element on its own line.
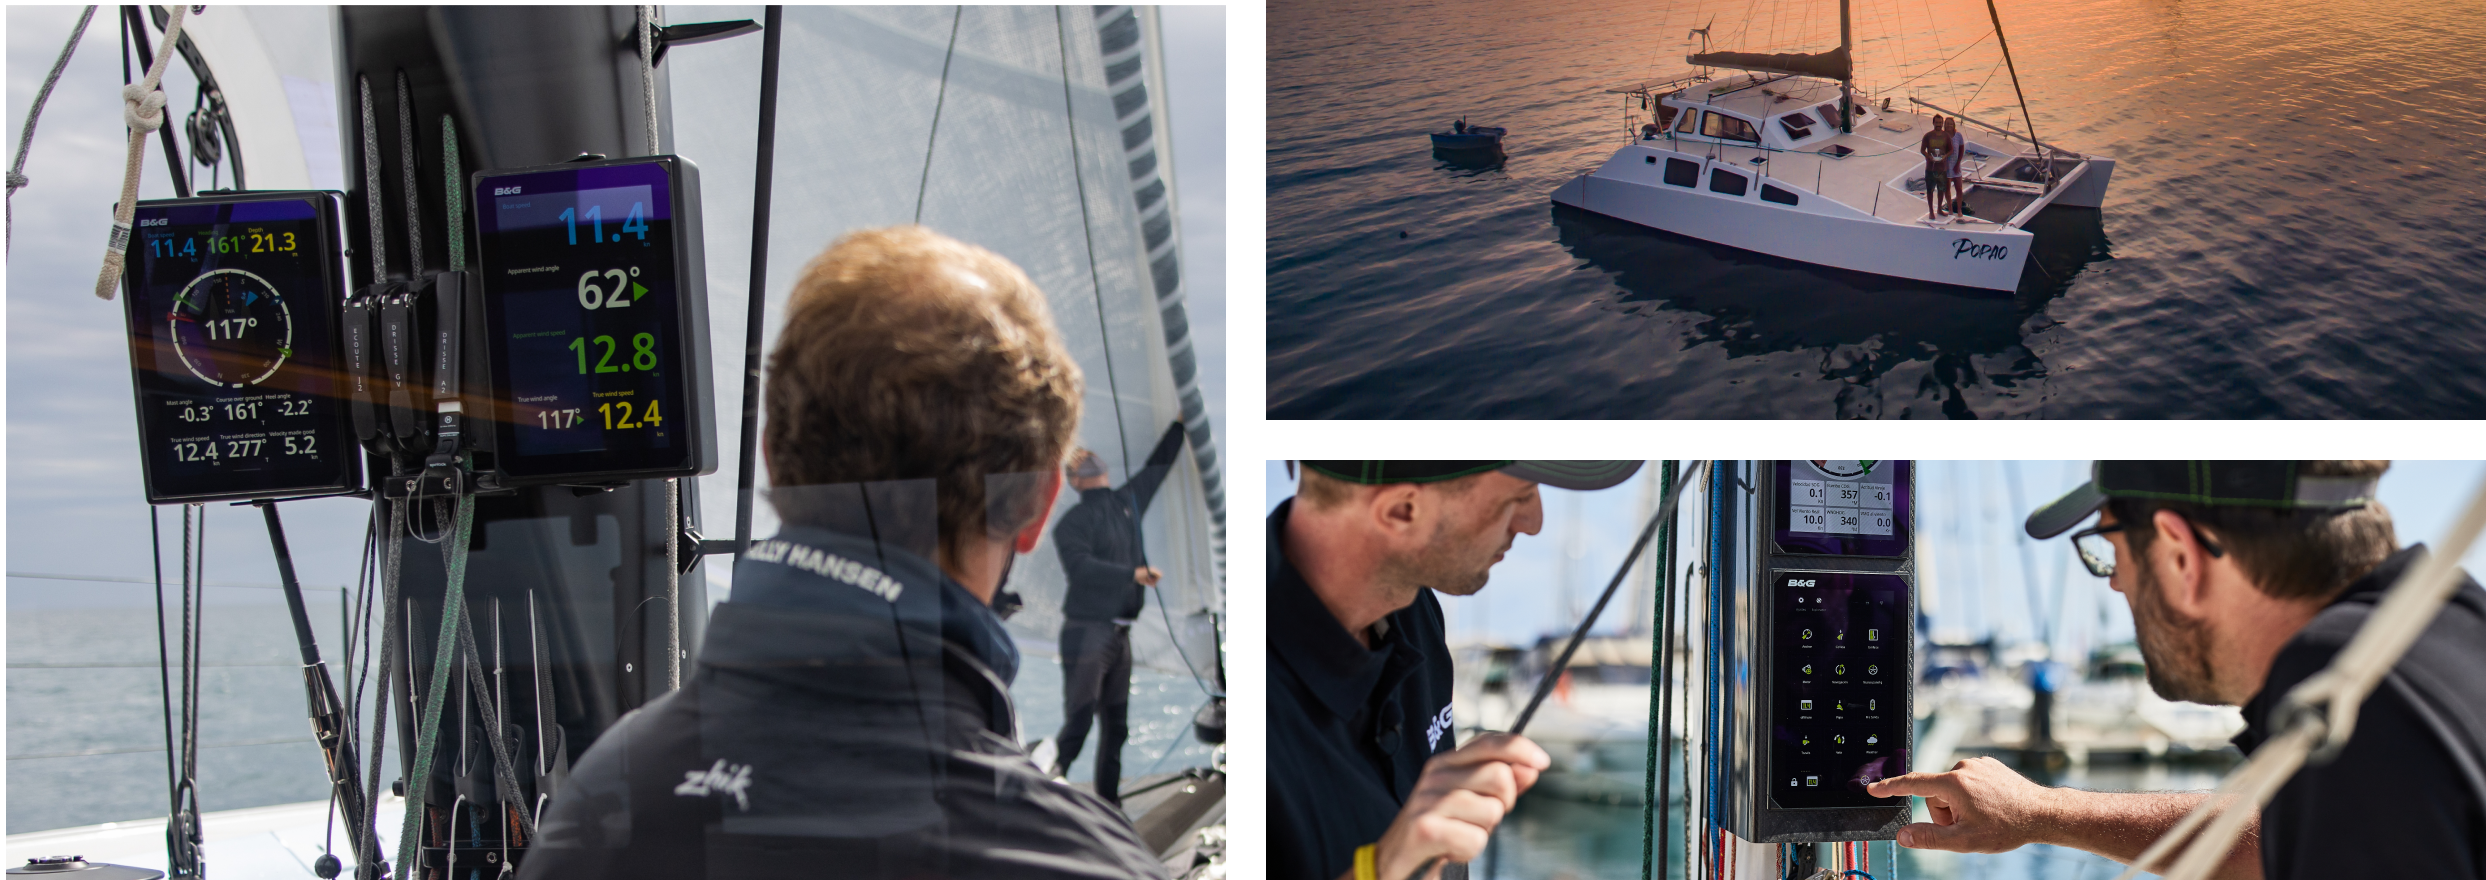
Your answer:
<point x="2294" y="229"/>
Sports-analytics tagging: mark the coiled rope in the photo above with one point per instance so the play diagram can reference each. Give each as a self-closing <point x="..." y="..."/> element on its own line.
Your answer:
<point x="143" y="110"/>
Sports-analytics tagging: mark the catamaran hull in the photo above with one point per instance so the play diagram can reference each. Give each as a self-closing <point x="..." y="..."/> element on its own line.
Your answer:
<point x="1980" y="256"/>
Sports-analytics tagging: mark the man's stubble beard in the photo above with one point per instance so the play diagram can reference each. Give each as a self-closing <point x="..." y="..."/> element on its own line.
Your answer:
<point x="2175" y="649"/>
<point x="1454" y="560"/>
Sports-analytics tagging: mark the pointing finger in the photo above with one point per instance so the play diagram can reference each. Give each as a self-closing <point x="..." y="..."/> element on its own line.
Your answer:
<point x="1919" y="784"/>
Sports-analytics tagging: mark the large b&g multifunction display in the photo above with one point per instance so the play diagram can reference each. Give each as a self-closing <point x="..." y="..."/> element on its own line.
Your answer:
<point x="596" y="314"/>
<point x="232" y="316"/>
<point x="1840" y="676"/>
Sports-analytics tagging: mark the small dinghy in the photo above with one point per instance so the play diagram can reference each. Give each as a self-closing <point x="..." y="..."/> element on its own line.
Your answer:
<point x="1463" y="136"/>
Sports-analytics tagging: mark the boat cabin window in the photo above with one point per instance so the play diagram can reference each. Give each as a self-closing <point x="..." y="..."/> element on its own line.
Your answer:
<point x="1771" y="193"/>
<point x="1728" y="128"/>
<point x="1829" y="113"/>
<point x="1682" y="172"/>
<point x="1797" y="125"/>
<point x="1728" y="182"/>
<point x="1690" y="118"/>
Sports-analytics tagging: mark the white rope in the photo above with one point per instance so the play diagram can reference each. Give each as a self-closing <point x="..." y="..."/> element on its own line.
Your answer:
<point x="26" y="136"/>
<point x="2320" y="713"/>
<point x="143" y="110"/>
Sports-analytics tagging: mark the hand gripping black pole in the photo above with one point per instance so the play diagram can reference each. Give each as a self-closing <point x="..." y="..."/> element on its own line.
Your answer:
<point x="327" y="711"/>
<point x="1545" y="683"/>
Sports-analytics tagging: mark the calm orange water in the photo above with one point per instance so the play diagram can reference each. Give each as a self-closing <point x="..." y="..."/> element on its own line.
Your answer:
<point x="2297" y="227"/>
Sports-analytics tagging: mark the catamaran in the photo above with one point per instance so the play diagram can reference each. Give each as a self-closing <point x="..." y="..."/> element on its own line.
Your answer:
<point x="1773" y="153"/>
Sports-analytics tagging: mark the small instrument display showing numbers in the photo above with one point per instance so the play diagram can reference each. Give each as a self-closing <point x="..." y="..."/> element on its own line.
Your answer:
<point x="1842" y="507"/>
<point x="233" y="314"/>
<point x="584" y="302"/>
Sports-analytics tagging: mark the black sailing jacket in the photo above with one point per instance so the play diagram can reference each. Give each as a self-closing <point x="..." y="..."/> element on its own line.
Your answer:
<point x="849" y="717"/>
<point x="1100" y="543"/>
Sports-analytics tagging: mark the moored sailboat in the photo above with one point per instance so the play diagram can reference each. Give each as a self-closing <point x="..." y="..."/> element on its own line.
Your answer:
<point x="1773" y="153"/>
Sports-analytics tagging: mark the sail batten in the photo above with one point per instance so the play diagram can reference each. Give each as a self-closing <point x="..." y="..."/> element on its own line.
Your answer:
<point x="1834" y="64"/>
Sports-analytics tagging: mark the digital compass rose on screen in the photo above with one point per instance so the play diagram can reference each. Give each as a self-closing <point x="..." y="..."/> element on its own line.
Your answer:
<point x="231" y="328"/>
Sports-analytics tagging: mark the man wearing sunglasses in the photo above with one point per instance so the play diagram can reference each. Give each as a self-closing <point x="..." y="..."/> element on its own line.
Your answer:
<point x="2245" y="578"/>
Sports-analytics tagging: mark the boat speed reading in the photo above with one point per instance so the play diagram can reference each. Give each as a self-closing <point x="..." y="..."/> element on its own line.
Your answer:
<point x="596" y="318"/>
<point x="232" y="315"/>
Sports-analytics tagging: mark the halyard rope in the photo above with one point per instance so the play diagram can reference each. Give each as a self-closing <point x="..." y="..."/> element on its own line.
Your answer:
<point x="143" y="110"/>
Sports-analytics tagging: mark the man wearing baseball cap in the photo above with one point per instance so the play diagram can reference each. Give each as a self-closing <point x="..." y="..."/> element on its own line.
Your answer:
<point x="2245" y="578"/>
<point x="1365" y="777"/>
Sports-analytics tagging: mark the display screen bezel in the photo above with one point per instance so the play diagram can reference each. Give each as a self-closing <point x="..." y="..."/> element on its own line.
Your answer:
<point x="326" y="304"/>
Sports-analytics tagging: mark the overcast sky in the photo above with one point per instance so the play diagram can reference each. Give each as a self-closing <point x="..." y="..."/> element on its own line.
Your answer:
<point x="74" y="495"/>
<point x="1968" y="523"/>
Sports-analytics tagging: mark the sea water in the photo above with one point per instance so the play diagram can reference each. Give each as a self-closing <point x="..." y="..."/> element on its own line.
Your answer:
<point x="86" y="717"/>
<point x="2297" y="226"/>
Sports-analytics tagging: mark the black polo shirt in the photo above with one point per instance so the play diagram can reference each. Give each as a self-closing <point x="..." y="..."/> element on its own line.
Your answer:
<point x="2406" y="796"/>
<point x="1349" y="727"/>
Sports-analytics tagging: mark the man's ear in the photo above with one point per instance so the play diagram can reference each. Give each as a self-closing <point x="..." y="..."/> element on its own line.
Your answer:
<point x="1394" y="509"/>
<point x="2188" y="589"/>
<point x="1034" y="531"/>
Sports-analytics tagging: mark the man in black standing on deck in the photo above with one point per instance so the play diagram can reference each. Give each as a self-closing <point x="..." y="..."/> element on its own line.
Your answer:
<point x="1105" y="559"/>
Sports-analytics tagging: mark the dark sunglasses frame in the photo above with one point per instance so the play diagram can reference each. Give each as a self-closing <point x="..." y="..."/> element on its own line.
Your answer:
<point x="2105" y="568"/>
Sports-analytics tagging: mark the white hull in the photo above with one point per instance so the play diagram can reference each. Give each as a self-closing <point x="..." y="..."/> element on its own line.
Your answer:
<point x="1817" y="230"/>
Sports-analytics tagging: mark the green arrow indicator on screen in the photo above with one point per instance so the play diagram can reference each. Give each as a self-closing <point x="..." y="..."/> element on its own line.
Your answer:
<point x="637" y="291"/>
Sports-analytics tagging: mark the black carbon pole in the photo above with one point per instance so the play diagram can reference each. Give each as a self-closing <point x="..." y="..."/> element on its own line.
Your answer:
<point x="763" y="175"/>
<point x="327" y="711"/>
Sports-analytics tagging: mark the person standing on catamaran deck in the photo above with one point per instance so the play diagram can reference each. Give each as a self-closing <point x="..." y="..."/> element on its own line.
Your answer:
<point x="1936" y="147"/>
<point x="1105" y="560"/>
<point x="2246" y="578"/>
<point x="1959" y="153"/>
<point x="1366" y="777"/>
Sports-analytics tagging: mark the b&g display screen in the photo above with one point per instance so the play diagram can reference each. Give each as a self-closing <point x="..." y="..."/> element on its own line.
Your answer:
<point x="1842" y="508"/>
<point x="232" y="308"/>
<point x="596" y="320"/>
<point x="1839" y="669"/>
